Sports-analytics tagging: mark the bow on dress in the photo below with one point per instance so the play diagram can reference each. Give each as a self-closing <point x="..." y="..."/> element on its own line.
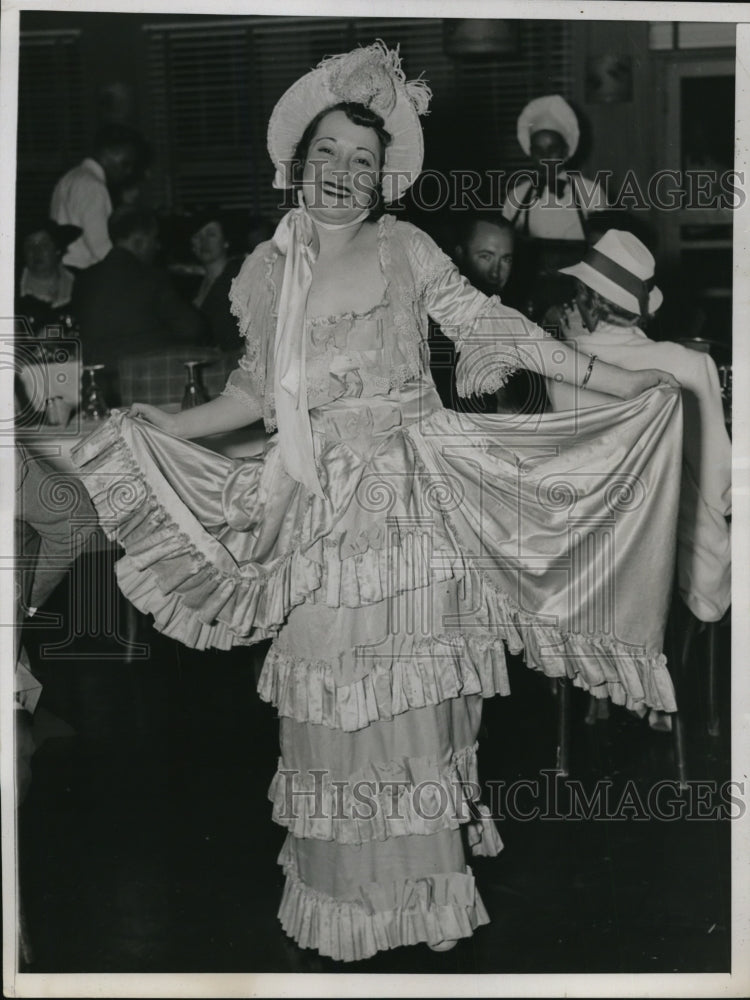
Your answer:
<point x="297" y="239"/>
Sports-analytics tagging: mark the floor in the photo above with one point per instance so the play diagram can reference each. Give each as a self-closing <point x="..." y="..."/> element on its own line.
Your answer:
<point x="147" y="846"/>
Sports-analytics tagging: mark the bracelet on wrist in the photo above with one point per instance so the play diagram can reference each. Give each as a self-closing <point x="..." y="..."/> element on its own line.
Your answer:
<point x="590" y="368"/>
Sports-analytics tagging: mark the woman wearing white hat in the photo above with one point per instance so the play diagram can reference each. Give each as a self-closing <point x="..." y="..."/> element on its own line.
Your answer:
<point x="364" y="541"/>
<point x="616" y="294"/>
<point x="551" y="213"/>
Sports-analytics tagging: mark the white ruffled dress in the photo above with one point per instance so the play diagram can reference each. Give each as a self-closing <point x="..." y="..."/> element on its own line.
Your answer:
<point x="443" y="538"/>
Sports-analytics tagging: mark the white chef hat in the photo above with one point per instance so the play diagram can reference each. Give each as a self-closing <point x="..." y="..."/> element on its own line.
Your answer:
<point x="551" y="112"/>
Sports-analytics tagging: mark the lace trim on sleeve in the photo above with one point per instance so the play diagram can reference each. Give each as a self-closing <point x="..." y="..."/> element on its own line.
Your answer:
<point x="498" y="342"/>
<point x="252" y="301"/>
<point x="230" y="389"/>
<point x="481" y="370"/>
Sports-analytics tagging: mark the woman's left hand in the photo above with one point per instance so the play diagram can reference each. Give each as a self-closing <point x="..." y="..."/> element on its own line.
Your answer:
<point x="647" y="378"/>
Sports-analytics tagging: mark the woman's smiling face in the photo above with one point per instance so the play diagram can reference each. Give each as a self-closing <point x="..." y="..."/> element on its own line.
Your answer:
<point x="342" y="167"/>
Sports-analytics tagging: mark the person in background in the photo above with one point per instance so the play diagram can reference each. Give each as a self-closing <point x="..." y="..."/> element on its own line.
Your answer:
<point x="82" y="196"/>
<point x="46" y="285"/>
<point x="212" y="244"/>
<point x="125" y="304"/>
<point x="550" y="209"/>
<point x="484" y="253"/>
<point x="484" y="250"/>
<point x="134" y="190"/>
<point x="615" y="295"/>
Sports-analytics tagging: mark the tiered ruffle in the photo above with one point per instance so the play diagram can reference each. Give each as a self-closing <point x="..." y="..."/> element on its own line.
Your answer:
<point x="419" y="672"/>
<point x="195" y="589"/>
<point x="395" y="798"/>
<point x="455" y="665"/>
<point x="200" y="595"/>
<point x="432" y="909"/>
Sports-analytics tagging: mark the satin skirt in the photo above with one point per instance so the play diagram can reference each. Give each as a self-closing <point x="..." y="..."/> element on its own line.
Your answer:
<point x="443" y="540"/>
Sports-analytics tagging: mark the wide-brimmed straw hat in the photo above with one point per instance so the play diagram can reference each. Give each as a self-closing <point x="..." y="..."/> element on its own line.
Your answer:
<point x="621" y="269"/>
<point x="371" y="76"/>
<point x="552" y="113"/>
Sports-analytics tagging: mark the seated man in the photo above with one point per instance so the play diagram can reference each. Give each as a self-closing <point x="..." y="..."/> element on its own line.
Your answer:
<point x="615" y="296"/>
<point x="125" y="305"/>
<point x="484" y="254"/>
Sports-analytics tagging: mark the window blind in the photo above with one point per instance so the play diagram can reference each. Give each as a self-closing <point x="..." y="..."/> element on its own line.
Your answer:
<point x="214" y="84"/>
<point x="51" y="116"/>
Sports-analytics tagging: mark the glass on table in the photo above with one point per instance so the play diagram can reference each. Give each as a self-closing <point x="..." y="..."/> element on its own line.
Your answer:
<point x="93" y="406"/>
<point x="194" y="394"/>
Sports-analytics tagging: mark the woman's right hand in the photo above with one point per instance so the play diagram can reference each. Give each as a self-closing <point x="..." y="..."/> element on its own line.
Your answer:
<point x="168" y="422"/>
<point x="639" y="380"/>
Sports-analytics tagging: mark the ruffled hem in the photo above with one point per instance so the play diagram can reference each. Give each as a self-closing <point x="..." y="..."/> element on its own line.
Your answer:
<point x="449" y="666"/>
<point x="627" y="674"/>
<point x="396" y="798"/>
<point x="199" y="595"/>
<point x="430" y="910"/>
<point x="424" y="673"/>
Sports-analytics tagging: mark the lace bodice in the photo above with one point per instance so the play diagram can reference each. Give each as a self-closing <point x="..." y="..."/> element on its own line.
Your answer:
<point x="379" y="351"/>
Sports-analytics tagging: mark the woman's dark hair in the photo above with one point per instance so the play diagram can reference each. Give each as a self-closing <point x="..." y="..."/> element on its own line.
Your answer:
<point x="232" y="223"/>
<point x="357" y="114"/>
<point x="467" y="222"/>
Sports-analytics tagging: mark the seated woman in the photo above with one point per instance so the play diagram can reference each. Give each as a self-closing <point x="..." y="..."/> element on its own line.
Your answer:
<point x="211" y="242"/>
<point x="46" y="286"/>
<point x="616" y="297"/>
<point x="607" y="321"/>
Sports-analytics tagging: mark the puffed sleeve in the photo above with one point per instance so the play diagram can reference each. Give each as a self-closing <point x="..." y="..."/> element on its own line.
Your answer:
<point x="252" y="300"/>
<point x="492" y="339"/>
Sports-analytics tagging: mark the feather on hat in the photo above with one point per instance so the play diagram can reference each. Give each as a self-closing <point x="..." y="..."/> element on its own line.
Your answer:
<point x="371" y="76"/>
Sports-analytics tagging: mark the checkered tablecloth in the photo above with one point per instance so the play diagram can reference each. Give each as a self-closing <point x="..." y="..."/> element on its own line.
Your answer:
<point x="160" y="377"/>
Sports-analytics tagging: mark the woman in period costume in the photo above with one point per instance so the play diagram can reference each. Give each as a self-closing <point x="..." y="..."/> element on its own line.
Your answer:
<point x="391" y="548"/>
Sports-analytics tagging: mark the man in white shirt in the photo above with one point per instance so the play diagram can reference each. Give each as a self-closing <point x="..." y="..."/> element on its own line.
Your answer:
<point x="82" y="196"/>
<point x="615" y="292"/>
